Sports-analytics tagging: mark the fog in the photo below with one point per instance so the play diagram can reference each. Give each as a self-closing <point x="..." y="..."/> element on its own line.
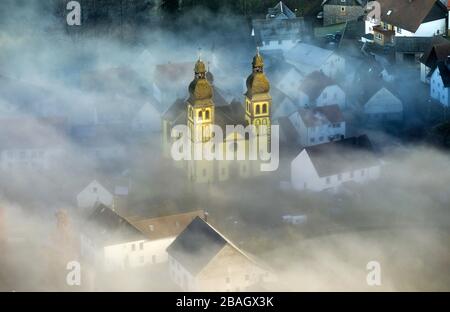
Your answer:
<point x="401" y="220"/>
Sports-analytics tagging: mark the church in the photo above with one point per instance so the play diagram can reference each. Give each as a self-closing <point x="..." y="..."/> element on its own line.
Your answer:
<point x="204" y="108"/>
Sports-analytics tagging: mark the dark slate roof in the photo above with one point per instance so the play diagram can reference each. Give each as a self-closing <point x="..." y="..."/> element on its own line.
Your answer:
<point x="343" y="156"/>
<point x="313" y="117"/>
<point x="278" y="29"/>
<point x="315" y="83"/>
<point x="196" y="245"/>
<point x="412" y="44"/>
<point x="444" y="71"/>
<point x="105" y="226"/>
<point x="437" y="51"/>
<point x="409" y="14"/>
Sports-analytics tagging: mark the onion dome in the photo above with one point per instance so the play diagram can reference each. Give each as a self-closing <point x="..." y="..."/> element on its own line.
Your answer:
<point x="257" y="82"/>
<point x="200" y="88"/>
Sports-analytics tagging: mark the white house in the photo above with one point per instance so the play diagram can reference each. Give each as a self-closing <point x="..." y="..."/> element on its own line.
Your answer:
<point x="115" y="242"/>
<point x="94" y="193"/>
<point x="280" y="30"/>
<point x="438" y="51"/>
<point x="318" y="125"/>
<point x="202" y="259"/>
<point x="328" y="166"/>
<point x="406" y="18"/>
<point x="321" y="90"/>
<point x="308" y="58"/>
<point x="384" y="106"/>
<point x="440" y="83"/>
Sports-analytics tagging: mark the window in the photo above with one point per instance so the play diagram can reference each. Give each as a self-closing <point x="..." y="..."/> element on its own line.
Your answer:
<point x="133" y="247"/>
<point x="207" y="115"/>
<point x="321" y="138"/>
<point x="141" y="245"/>
<point x="264" y="108"/>
<point x="328" y="180"/>
<point x="177" y="224"/>
<point x="204" y="172"/>
<point x="363" y="172"/>
<point x="200" y="115"/>
<point x="94" y="190"/>
<point x="343" y="9"/>
<point x="151" y="227"/>
<point x="257" y="109"/>
<point x="247" y="277"/>
<point x="399" y="30"/>
<point x="313" y="140"/>
<point x="154" y="259"/>
<point x="352" y="175"/>
<point x="142" y="259"/>
<point x="223" y="171"/>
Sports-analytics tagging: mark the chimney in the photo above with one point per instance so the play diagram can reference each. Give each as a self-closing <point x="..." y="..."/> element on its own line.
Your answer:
<point x="206" y="216"/>
<point x="62" y="225"/>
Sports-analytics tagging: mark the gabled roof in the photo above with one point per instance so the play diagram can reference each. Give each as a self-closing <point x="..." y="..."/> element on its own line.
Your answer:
<point x="410" y="14"/>
<point x="280" y="8"/>
<point x="197" y="245"/>
<point x="313" y="117"/>
<point x="343" y="156"/>
<point x="412" y="44"/>
<point x="438" y="50"/>
<point x="107" y="227"/>
<point x="307" y="58"/>
<point x="383" y="101"/>
<point x="315" y="83"/>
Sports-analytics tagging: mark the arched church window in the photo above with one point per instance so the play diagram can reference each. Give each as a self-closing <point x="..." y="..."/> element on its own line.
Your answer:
<point x="207" y="115"/>
<point x="258" y="110"/>
<point x="200" y="115"/>
<point x="264" y="108"/>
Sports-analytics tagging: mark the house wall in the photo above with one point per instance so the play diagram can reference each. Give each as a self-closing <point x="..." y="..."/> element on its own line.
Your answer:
<point x="180" y="276"/>
<point x="429" y="29"/>
<point x="334" y="66"/>
<point x="305" y="177"/>
<point x="136" y="254"/>
<point x="438" y="90"/>
<point x="424" y="71"/>
<point x="229" y="270"/>
<point x="92" y="194"/>
<point x="333" y="14"/>
<point x="332" y="95"/>
<point x="303" y="174"/>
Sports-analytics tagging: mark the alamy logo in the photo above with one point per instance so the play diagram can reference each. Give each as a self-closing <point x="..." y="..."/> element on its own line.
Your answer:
<point x="374" y="276"/>
<point x="73" y="277"/>
<point x="74" y="16"/>
<point x="252" y="143"/>
<point x="374" y="12"/>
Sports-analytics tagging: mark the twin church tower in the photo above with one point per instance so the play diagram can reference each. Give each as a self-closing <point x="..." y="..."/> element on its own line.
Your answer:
<point x="200" y="112"/>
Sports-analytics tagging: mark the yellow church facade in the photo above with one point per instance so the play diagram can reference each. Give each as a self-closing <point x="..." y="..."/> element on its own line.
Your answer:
<point x="201" y="114"/>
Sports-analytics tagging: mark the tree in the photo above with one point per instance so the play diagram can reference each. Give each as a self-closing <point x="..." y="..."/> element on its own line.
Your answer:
<point x="170" y="6"/>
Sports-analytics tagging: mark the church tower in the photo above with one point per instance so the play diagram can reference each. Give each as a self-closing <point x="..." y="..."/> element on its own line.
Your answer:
<point x="258" y="101"/>
<point x="200" y="105"/>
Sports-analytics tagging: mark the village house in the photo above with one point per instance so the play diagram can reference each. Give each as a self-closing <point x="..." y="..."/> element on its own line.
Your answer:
<point x="318" y="125"/>
<point x="96" y="192"/>
<point x="308" y="58"/>
<point x="440" y="82"/>
<point x="114" y="242"/>
<point x="383" y="106"/>
<point x="328" y="166"/>
<point x="320" y="90"/>
<point x="406" y="18"/>
<point x="39" y="144"/>
<point x="437" y="51"/>
<point x="341" y="11"/>
<point x="202" y="259"/>
<point x="280" y="30"/>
